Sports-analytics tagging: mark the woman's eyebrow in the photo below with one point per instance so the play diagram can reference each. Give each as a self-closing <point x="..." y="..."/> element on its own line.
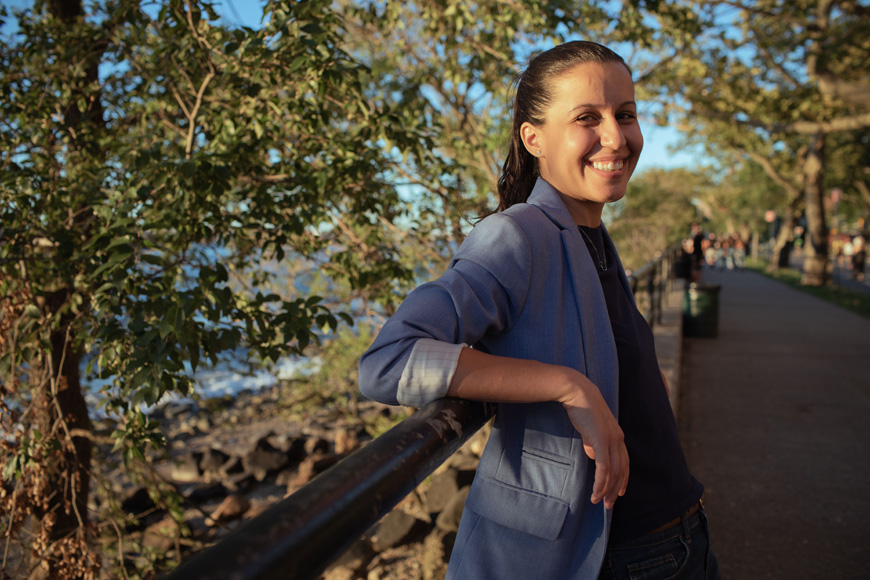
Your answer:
<point x="600" y="106"/>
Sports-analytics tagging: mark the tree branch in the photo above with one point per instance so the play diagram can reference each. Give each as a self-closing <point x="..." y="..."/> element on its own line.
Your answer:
<point x="191" y="131"/>
<point x="850" y="123"/>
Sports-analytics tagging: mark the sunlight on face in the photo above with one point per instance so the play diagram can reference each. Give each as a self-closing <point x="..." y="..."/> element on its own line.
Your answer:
<point x="591" y="140"/>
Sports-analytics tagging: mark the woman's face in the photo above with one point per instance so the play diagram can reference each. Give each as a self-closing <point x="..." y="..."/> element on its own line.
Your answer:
<point x="591" y="140"/>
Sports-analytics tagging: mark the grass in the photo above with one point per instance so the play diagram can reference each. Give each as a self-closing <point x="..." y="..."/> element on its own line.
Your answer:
<point x="856" y="302"/>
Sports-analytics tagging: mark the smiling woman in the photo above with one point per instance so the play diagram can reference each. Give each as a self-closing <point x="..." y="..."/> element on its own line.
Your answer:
<point x="536" y="314"/>
<point x="590" y="142"/>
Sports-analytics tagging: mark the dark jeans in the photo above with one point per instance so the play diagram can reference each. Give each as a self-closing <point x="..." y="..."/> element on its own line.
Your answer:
<point x="682" y="551"/>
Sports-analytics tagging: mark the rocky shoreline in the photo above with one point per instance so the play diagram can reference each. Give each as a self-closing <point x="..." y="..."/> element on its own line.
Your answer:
<point x="230" y="460"/>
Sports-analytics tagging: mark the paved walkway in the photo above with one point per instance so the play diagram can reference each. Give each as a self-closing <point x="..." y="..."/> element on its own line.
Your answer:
<point x="775" y="418"/>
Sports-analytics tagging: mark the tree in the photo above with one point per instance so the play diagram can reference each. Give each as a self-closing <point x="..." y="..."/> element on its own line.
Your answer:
<point x="769" y="77"/>
<point x="152" y="159"/>
<point x="453" y="63"/>
<point x="656" y="213"/>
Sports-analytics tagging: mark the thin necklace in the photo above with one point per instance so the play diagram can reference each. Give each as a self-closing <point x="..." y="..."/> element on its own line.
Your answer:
<point x="601" y="264"/>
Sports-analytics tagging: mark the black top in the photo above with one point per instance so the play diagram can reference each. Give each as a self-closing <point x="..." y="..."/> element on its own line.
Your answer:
<point x="660" y="487"/>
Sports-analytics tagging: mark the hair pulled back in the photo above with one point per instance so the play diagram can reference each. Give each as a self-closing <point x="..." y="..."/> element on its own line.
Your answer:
<point x="533" y="95"/>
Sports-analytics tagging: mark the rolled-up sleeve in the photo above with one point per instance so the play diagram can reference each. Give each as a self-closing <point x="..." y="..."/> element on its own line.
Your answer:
<point x="414" y="357"/>
<point x="428" y="372"/>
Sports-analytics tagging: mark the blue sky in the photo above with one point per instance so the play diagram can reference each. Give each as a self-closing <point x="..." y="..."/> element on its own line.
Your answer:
<point x="658" y="141"/>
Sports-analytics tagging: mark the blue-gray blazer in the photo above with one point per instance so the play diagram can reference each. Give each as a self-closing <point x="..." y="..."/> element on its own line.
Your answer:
<point x="522" y="285"/>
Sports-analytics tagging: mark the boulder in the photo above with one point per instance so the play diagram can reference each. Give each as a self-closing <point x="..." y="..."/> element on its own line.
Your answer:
<point x="232" y="508"/>
<point x="442" y="487"/>
<point x="186" y="468"/>
<point x="162" y="535"/>
<point x="448" y="519"/>
<point x="212" y="461"/>
<point x="396" y="528"/>
<point x="437" y="548"/>
<point x="263" y="460"/>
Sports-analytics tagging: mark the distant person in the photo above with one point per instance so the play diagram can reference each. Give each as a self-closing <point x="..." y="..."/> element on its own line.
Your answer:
<point x="859" y="257"/>
<point x="739" y="254"/>
<point x="697" y="251"/>
<point x="535" y="313"/>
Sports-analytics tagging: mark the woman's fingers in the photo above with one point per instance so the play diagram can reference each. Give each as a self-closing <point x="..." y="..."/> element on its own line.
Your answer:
<point x="603" y="442"/>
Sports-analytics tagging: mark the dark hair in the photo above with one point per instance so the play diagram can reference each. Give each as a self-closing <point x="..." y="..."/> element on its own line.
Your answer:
<point x="520" y="170"/>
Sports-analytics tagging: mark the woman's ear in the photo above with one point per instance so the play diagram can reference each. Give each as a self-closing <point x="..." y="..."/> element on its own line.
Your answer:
<point x="531" y="139"/>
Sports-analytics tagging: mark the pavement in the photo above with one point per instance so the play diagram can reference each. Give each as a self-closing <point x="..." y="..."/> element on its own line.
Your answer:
<point x="774" y="414"/>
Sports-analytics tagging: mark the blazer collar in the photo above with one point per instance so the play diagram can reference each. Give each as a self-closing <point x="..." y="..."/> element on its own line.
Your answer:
<point x="545" y="197"/>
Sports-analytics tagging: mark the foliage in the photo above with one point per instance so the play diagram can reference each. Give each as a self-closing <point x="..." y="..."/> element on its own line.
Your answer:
<point x="152" y="160"/>
<point x="670" y="196"/>
<point x="453" y="63"/>
<point x="773" y="80"/>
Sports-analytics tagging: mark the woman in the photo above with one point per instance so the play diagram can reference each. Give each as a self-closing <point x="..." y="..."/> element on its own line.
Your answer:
<point x="535" y="313"/>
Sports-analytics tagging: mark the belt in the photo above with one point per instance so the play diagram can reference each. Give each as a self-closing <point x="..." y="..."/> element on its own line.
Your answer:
<point x="674" y="522"/>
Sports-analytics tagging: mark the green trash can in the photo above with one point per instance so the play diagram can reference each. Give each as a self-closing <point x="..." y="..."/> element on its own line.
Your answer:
<point x="701" y="310"/>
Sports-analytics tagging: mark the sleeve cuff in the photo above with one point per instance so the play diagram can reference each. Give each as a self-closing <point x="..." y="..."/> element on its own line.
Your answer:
<point x="428" y="372"/>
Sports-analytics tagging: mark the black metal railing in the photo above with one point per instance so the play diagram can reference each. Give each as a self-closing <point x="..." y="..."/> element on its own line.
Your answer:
<point x="298" y="537"/>
<point x="651" y="282"/>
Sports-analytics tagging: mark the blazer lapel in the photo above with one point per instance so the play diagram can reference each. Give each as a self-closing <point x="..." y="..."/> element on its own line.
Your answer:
<point x="599" y="348"/>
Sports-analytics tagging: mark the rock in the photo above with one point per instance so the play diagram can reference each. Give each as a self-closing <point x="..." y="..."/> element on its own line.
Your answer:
<point x="396" y="528"/>
<point x="293" y="447"/>
<point x="352" y="563"/>
<point x="232" y="466"/>
<point x="316" y="444"/>
<point x="463" y="460"/>
<point x="202" y="493"/>
<point x="238" y="481"/>
<point x="442" y="487"/>
<point x="212" y="460"/>
<point x="178" y="410"/>
<point x="323" y="461"/>
<point x="263" y="459"/>
<point x="448" y="519"/>
<point x="232" y="508"/>
<point x="309" y="468"/>
<point x="162" y="536"/>
<point x="137" y="503"/>
<point x="186" y="468"/>
<point x="346" y="441"/>
<point x="437" y="548"/>
<point x="477" y="443"/>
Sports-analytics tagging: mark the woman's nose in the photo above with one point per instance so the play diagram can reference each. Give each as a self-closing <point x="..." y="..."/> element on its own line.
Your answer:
<point x="611" y="134"/>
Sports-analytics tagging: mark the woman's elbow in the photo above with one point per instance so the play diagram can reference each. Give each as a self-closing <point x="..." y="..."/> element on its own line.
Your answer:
<point x="374" y="382"/>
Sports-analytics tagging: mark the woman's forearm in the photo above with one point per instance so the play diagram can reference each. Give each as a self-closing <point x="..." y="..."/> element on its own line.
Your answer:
<point x="483" y="377"/>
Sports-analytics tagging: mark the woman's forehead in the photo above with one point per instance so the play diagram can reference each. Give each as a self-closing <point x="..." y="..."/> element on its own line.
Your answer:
<point x="592" y="84"/>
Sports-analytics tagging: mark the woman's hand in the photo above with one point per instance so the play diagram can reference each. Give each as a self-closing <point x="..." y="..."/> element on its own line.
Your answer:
<point x="603" y="441"/>
<point x="484" y="377"/>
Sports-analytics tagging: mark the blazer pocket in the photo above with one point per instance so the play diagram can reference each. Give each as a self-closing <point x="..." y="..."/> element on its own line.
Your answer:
<point x="518" y="509"/>
<point x="536" y="470"/>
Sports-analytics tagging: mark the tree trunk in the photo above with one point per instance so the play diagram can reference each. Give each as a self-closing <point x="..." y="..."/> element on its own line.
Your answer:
<point x="61" y="549"/>
<point x="816" y="256"/>
<point x="61" y="415"/>
<point x="784" y="240"/>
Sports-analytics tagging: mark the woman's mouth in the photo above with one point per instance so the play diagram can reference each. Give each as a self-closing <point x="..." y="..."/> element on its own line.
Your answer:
<point x="607" y="165"/>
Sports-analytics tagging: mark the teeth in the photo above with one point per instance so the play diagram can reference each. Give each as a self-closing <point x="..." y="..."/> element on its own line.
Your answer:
<point x="608" y="166"/>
